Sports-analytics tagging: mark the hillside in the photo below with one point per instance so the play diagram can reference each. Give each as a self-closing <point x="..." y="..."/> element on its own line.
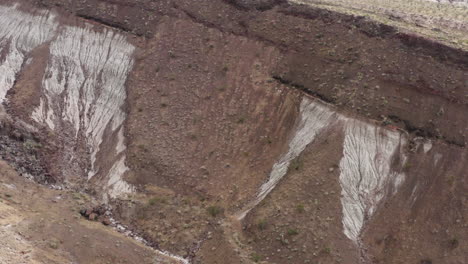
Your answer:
<point x="232" y="131"/>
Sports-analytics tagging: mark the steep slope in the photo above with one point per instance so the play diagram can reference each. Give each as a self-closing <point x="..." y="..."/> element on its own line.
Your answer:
<point x="245" y="131"/>
<point x="33" y="231"/>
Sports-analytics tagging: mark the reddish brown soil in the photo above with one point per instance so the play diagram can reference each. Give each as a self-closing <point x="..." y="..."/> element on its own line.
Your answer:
<point x="39" y="225"/>
<point x="214" y="96"/>
<point x="301" y="220"/>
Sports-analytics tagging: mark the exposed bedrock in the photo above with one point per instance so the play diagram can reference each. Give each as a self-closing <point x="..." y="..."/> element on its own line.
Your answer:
<point x="357" y="63"/>
<point x="370" y="167"/>
<point x="20" y="33"/>
<point x="84" y="93"/>
<point x="343" y="179"/>
<point x="265" y="130"/>
<point x="81" y="89"/>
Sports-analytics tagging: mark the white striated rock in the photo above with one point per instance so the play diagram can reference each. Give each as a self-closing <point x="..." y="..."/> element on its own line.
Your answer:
<point x="366" y="175"/>
<point x="20" y="33"/>
<point x="313" y="118"/>
<point x="116" y="185"/>
<point x="427" y="146"/>
<point x="120" y="147"/>
<point x="83" y="88"/>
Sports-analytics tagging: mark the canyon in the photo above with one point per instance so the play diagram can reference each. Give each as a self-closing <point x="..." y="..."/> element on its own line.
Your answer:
<point x="232" y="131"/>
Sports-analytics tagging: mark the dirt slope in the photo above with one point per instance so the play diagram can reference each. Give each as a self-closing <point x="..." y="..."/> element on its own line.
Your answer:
<point x="40" y="225"/>
<point x="179" y="113"/>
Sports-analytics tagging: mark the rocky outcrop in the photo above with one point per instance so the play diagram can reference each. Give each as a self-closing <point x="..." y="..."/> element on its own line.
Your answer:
<point x="20" y="33"/>
<point x="208" y="105"/>
<point x="84" y="92"/>
<point x="82" y="88"/>
<point x="314" y="118"/>
<point x="370" y="170"/>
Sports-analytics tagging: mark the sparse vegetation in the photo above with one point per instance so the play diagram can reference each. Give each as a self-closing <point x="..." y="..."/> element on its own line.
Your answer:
<point x="327" y="250"/>
<point x="296" y="164"/>
<point x="300" y="208"/>
<point x="425" y="261"/>
<point x="241" y="120"/>
<point x="377" y="9"/>
<point x="156" y="200"/>
<point x="143" y="148"/>
<point x="171" y="54"/>
<point x="32" y="145"/>
<point x="293" y="232"/>
<point x="407" y="165"/>
<point x="453" y="243"/>
<point x="214" y="210"/>
<point x="256" y="258"/>
<point x="53" y="244"/>
<point x="262" y="224"/>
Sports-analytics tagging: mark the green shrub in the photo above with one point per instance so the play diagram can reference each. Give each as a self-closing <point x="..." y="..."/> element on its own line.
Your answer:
<point x="296" y="164"/>
<point x="241" y="120"/>
<point x="156" y="200"/>
<point x="256" y="258"/>
<point x="293" y="232"/>
<point x="214" y="210"/>
<point x="327" y="250"/>
<point x="262" y="224"/>
<point x="300" y="208"/>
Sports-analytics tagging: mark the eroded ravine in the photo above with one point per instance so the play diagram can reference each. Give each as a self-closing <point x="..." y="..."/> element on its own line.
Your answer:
<point x="203" y="133"/>
<point x="370" y="169"/>
<point x="82" y="89"/>
<point x="84" y="92"/>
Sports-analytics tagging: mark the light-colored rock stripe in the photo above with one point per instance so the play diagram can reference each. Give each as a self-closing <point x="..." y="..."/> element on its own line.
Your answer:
<point x="366" y="175"/>
<point x="83" y="87"/>
<point x="313" y="118"/>
<point x="20" y="33"/>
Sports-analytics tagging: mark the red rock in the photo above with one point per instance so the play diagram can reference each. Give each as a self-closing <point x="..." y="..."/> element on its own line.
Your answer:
<point x="92" y="217"/>
<point x="106" y="221"/>
<point x="88" y="212"/>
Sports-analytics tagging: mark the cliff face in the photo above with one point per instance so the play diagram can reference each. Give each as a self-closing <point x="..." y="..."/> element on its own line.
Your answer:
<point x="230" y="131"/>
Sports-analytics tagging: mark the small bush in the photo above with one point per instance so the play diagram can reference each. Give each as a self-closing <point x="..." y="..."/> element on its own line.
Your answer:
<point x="293" y="232"/>
<point x="296" y="164"/>
<point x="262" y="224"/>
<point x="407" y="166"/>
<point x="241" y="120"/>
<point x="155" y="200"/>
<point x="54" y="244"/>
<point x="327" y="250"/>
<point x="453" y="243"/>
<point x="214" y="210"/>
<point x="300" y="208"/>
<point x="143" y="148"/>
<point x="256" y="258"/>
<point x="32" y="145"/>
